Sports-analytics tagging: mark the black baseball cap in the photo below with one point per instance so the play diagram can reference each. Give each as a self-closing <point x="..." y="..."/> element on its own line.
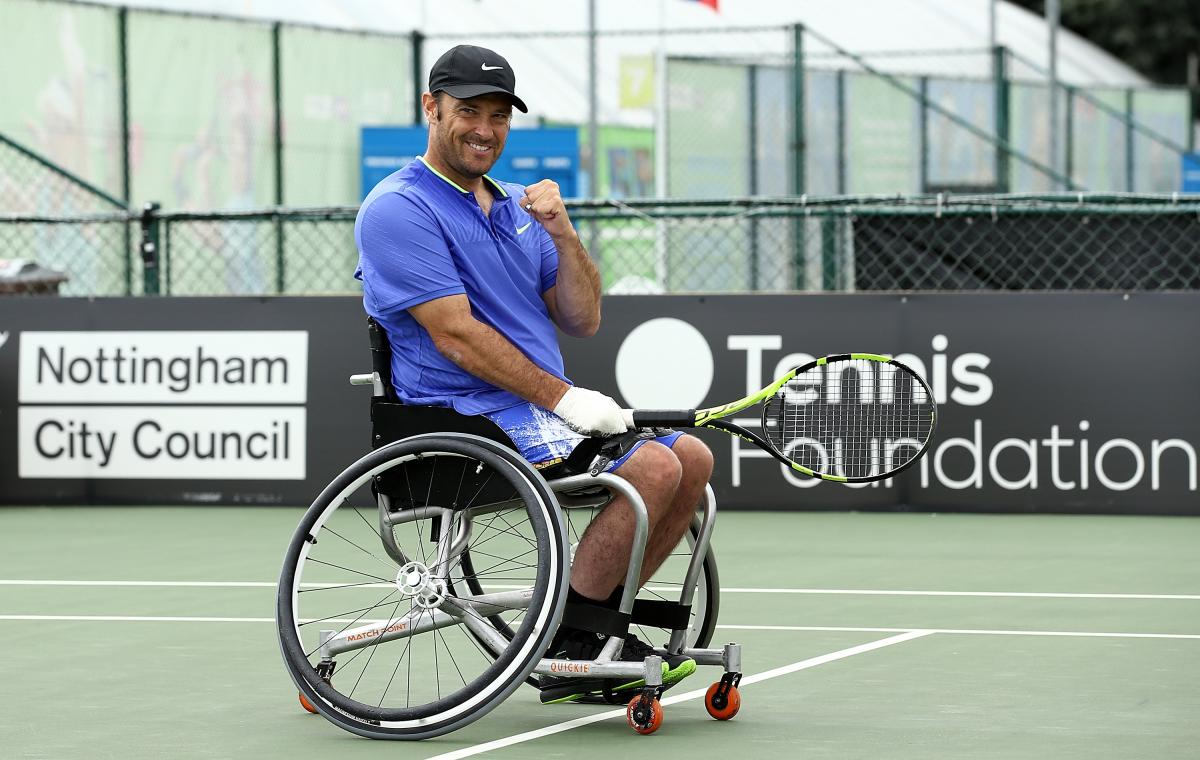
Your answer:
<point x="466" y="71"/>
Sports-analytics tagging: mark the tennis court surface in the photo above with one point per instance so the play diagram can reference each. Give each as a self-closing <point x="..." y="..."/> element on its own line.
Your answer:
<point x="148" y="632"/>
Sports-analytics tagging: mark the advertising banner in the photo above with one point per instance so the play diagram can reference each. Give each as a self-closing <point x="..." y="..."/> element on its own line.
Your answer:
<point x="162" y="401"/>
<point x="1047" y="402"/>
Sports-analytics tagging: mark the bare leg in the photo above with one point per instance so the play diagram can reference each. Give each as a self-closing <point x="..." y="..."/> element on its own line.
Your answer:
<point x="696" y="462"/>
<point x="602" y="556"/>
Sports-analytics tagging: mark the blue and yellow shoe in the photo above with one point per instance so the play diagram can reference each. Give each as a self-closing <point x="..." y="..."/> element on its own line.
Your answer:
<point x="556" y="690"/>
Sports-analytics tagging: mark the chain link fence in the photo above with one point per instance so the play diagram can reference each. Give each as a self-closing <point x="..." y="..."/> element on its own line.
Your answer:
<point x="898" y="244"/>
<point x="294" y="252"/>
<point x="63" y="224"/>
<point x="838" y="244"/>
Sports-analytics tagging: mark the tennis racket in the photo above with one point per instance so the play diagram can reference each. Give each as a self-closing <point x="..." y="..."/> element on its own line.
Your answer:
<point x="849" y="418"/>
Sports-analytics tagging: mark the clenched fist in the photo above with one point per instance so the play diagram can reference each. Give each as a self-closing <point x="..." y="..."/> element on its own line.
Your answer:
<point x="545" y="204"/>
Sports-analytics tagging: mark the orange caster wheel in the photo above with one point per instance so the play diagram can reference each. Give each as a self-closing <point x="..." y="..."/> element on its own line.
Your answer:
<point x="644" y="714"/>
<point x="324" y="672"/>
<point x="307" y="705"/>
<point x="722" y="700"/>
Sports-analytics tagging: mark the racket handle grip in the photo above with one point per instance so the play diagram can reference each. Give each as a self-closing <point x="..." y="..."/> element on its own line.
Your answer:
<point x="676" y="418"/>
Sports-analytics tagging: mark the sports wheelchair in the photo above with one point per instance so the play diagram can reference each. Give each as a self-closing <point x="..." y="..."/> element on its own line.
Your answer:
<point x="425" y="582"/>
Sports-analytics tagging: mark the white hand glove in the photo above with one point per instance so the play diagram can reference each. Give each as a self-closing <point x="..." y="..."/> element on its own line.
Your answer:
<point x="591" y="413"/>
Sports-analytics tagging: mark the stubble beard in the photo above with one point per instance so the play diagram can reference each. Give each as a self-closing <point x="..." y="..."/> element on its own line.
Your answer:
<point x="452" y="153"/>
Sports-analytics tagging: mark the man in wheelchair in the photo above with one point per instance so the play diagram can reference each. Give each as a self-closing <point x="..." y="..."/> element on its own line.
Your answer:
<point x="470" y="278"/>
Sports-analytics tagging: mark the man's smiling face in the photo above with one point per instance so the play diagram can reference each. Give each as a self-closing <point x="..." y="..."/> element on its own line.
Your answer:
<point x="469" y="135"/>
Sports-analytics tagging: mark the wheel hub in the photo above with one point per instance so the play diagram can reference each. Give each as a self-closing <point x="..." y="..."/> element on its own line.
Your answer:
<point x="416" y="582"/>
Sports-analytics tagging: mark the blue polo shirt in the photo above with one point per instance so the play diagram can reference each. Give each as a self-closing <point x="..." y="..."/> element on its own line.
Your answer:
<point x="420" y="237"/>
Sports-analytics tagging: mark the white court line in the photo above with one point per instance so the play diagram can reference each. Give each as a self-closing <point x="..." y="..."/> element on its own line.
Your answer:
<point x="138" y="619"/>
<point x="168" y="584"/>
<point x="898" y="592"/>
<point x="731" y="627"/>
<point x="969" y="631"/>
<point x="734" y="590"/>
<point x="557" y="728"/>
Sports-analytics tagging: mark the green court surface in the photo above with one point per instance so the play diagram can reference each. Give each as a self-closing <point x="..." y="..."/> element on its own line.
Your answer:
<point x="148" y="632"/>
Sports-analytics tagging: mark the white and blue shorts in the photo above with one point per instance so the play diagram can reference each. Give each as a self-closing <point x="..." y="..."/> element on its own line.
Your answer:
<point x="543" y="438"/>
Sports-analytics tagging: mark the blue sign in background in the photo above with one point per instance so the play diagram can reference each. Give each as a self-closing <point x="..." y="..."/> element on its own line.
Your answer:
<point x="1191" y="173"/>
<point x="530" y="155"/>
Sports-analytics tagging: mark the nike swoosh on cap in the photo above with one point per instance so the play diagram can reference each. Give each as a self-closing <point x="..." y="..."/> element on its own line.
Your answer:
<point x="485" y="67"/>
<point x="523" y="228"/>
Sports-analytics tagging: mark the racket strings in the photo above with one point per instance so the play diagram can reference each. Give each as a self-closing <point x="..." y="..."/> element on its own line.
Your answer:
<point x="854" y="418"/>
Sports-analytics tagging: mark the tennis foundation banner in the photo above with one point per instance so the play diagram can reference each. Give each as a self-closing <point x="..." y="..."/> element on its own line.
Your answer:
<point x="1083" y="403"/>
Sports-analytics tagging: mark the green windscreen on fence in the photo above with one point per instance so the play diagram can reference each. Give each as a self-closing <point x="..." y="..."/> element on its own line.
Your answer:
<point x="1029" y="117"/>
<point x="60" y="95"/>
<point x="202" y="126"/>
<point x="708" y="133"/>
<point x="335" y="83"/>
<point x="707" y="129"/>
<point x="882" y="137"/>
<point x="769" y="248"/>
<point x="1098" y="141"/>
<point x="201" y="112"/>
<point x="959" y="159"/>
<point x="823" y="159"/>
<point x="773" y="130"/>
<point x="1165" y="112"/>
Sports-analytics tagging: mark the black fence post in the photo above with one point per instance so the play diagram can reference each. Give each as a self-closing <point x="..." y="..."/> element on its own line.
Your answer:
<point x="418" y="83"/>
<point x="1069" y="134"/>
<point x="1000" y="76"/>
<point x="1130" y="184"/>
<point x="123" y="95"/>
<point x="752" y="167"/>
<point x="277" y="71"/>
<point x="841" y="131"/>
<point x="149" y="248"/>
<point x="798" y="136"/>
<point x="923" y="137"/>
<point x="799" y="150"/>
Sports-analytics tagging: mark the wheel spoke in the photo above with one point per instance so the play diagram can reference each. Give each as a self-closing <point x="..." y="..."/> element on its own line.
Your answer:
<point x="385" y="666"/>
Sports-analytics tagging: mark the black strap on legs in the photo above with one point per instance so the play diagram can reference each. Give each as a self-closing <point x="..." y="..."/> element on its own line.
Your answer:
<point x="594" y="618"/>
<point x="672" y="615"/>
<point x="597" y="619"/>
<point x="576" y="462"/>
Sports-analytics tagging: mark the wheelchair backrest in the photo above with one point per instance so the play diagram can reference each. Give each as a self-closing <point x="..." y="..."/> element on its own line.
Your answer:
<point x="392" y="420"/>
<point x="381" y="357"/>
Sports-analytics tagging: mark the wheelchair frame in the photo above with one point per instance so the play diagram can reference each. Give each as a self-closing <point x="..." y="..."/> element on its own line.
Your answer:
<point x="428" y="585"/>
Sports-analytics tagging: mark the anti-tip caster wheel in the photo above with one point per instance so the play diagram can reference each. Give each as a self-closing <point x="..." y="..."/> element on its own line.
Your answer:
<point x="723" y="700"/>
<point x="644" y="714"/>
<point x="325" y="673"/>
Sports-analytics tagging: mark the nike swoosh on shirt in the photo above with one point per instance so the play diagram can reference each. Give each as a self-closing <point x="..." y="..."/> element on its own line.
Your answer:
<point x="523" y="228"/>
<point x="485" y="67"/>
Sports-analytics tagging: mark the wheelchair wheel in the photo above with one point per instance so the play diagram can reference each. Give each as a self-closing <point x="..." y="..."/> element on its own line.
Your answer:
<point x="379" y="627"/>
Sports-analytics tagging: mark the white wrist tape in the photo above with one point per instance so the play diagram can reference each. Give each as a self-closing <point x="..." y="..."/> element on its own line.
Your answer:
<point x="591" y="413"/>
